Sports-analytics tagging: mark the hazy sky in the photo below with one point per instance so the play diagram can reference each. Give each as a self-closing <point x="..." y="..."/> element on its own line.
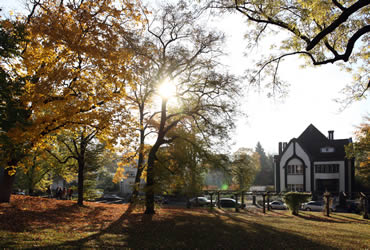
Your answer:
<point x="310" y="98"/>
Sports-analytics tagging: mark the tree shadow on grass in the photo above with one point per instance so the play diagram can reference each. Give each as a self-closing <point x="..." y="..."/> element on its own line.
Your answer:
<point x="179" y="228"/>
<point x="21" y="219"/>
<point x="352" y="220"/>
<point x="334" y="218"/>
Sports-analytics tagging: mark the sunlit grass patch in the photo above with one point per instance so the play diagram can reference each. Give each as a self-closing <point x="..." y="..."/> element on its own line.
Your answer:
<point x="59" y="224"/>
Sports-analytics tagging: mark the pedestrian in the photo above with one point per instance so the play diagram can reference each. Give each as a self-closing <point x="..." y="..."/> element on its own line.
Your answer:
<point x="70" y="192"/>
<point x="48" y="191"/>
<point x="58" y="193"/>
<point x="64" y="193"/>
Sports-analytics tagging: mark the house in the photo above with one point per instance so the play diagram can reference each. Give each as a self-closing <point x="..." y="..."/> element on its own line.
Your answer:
<point x="314" y="163"/>
<point x="126" y="185"/>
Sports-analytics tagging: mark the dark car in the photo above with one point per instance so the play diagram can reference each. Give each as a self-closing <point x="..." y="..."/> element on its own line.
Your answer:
<point x="160" y="199"/>
<point x="352" y="206"/>
<point x="228" y="202"/>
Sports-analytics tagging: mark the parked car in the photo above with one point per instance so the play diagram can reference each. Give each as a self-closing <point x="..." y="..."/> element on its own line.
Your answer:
<point x="199" y="201"/>
<point x="277" y="205"/>
<point x="228" y="202"/>
<point x="160" y="199"/>
<point x="316" y="206"/>
<point x="353" y="206"/>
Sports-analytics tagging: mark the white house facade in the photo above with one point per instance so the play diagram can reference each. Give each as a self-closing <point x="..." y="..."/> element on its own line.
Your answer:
<point x="314" y="163"/>
<point x="127" y="183"/>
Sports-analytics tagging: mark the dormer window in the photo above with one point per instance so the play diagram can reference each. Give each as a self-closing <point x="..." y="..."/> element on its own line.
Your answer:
<point x="327" y="150"/>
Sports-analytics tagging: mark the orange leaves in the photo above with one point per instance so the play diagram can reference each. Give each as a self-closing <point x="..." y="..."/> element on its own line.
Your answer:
<point x="77" y="63"/>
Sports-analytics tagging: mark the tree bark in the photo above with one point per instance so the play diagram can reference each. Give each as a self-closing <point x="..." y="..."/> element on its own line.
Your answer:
<point x="140" y="166"/>
<point x="81" y="169"/>
<point x="149" y="194"/>
<point x="6" y="185"/>
<point x="80" y="183"/>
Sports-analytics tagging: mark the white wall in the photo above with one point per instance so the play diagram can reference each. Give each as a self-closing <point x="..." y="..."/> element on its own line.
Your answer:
<point x="295" y="179"/>
<point x="302" y="154"/>
<point x="288" y="153"/>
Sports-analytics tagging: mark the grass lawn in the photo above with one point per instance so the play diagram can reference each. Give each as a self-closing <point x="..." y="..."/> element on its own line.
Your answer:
<point x="30" y="222"/>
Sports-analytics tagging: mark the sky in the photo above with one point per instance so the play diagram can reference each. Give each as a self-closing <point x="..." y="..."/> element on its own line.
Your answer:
<point x="269" y="121"/>
<point x="310" y="97"/>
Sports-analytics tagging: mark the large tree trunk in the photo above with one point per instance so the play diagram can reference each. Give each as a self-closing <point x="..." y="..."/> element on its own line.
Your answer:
<point x="140" y="167"/>
<point x="149" y="194"/>
<point x="81" y="170"/>
<point x="6" y="185"/>
<point x="81" y="166"/>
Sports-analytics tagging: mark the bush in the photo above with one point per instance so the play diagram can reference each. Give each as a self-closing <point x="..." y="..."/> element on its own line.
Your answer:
<point x="295" y="199"/>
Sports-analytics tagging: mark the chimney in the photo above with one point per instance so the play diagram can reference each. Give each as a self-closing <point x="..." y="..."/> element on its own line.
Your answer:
<point x="280" y="148"/>
<point x="331" y="134"/>
<point x="284" y="145"/>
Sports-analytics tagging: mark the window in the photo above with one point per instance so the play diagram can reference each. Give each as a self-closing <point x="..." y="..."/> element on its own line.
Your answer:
<point x="295" y="187"/>
<point x="327" y="150"/>
<point x="130" y="174"/>
<point x="327" y="168"/>
<point x="295" y="169"/>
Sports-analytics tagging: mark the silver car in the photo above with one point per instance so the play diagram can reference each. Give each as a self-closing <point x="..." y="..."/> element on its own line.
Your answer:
<point x="315" y="206"/>
<point x="199" y="201"/>
<point x="277" y="205"/>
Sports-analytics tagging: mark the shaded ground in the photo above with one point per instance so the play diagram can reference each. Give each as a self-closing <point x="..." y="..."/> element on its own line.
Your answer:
<point x="30" y="222"/>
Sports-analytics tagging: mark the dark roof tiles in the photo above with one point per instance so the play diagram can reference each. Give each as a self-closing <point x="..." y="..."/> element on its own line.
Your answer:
<point x="312" y="140"/>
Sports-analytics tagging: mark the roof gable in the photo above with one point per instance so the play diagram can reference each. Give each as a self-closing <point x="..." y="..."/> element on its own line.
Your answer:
<point x="312" y="140"/>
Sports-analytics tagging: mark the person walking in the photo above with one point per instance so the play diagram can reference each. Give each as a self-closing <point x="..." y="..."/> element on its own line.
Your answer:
<point x="64" y="193"/>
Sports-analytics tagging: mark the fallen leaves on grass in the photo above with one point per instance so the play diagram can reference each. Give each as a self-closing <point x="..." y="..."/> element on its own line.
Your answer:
<point x="41" y="222"/>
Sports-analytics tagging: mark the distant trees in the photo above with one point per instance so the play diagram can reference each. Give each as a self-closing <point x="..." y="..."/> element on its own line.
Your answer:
<point x="181" y="165"/>
<point x="244" y="166"/>
<point x="360" y="150"/>
<point x="266" y="174"/>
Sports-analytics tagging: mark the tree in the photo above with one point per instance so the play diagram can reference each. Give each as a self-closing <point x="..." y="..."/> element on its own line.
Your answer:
<point x="76" y="148"/>
<point x="360" y="150"/>
<point x="266" y="174"/>
<point x="36" y="172"/>
<point x="12" y="112"/>
<point x="76" y="62"/>
<point x="244" y="167"/>
<point x="185" y="55"/>
<point x="321" y="31"/>
<point x="180" y="165"/>
<point x="294" y="200"/>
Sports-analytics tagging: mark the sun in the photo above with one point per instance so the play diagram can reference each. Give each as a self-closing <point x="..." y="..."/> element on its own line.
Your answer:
<point x="167" y="89"/>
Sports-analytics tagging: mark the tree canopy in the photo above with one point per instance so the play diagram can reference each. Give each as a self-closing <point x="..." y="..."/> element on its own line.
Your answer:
<point x="321" y="31"/>
<point x="360" y="150"/>
<point x="75" y="61"/>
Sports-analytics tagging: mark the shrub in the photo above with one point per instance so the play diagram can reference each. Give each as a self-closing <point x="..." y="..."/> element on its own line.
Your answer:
<point x="295" y="199"/>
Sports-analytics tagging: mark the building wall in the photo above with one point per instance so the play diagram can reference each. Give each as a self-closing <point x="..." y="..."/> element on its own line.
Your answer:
<point x="295" y="179"/>
<point x="287" y="154"/>
<point x="340" y="175"/>
<point x="294" y="149"/>
<point x="126" y="184"/>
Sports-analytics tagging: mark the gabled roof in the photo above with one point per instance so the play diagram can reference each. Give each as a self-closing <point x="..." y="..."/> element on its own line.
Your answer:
<point x="312" y="140"/>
